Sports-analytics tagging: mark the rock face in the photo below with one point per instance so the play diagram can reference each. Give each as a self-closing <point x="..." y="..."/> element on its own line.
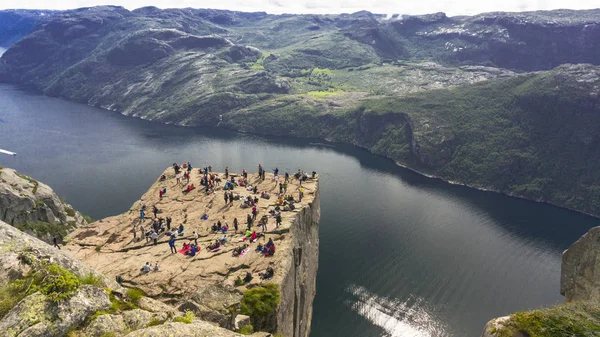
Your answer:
<point x="580" y="284"/>
<point x="195" y="329"/>
<point x="580" y="271"/>
<point x="298" y="287"/>
<point x="14" y="243"/>
<point x="206" y="283"/>
<point x="89" y="311"/>
<point x="34" y="208"/>
<point x="37" y="316"/>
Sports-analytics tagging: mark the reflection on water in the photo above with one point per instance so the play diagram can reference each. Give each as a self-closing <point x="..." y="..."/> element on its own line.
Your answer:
<point x="397" y="318"/>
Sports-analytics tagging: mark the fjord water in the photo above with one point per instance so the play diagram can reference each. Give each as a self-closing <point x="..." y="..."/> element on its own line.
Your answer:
<point x="400" y="254"/>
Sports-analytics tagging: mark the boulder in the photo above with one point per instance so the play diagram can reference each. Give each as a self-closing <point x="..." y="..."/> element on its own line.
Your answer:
<point x="37" y="316"/>
<point x="580" y="271"/>
<point x="240" y="321"/>
<point x="195" y="329"/>
<point x="138" y="319"/>
<point x="14" y="243"/>
<point x="152" y="305"/>
<point x="213" y="304"/>
<point x="105" y="324"/>
<point x="494" y="326"/>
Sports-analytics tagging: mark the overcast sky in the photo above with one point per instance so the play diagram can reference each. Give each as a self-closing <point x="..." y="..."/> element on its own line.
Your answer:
<point x="451" y="7"/>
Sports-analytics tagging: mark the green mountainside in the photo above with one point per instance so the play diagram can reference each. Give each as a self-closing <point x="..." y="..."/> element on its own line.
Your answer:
<point x="483" y="100"/>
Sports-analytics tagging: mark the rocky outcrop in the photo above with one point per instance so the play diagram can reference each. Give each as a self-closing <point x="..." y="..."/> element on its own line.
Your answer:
<point x="33" y="207"/>
<point x="195" y="329"/>
<point x="91" y="310"/>
<point x="207" y="283"/>
<point x="36" y="315"/>
<point x="580" y="284"/>
<point x="14" y="244"/>
<point x="298" y="287"/>
<point x="580" y="271"/>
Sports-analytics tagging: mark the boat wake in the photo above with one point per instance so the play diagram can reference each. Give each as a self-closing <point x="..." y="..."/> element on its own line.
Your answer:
<point x="395" y="317"/>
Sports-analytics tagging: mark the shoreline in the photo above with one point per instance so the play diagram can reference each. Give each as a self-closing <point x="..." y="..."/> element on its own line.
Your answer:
<point x="329" y="141"/>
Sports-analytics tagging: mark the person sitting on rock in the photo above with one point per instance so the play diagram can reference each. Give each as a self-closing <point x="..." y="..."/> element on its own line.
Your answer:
<point x="248" y="277"/>
<point x="268" y="274"/>
<point x="146" y="268"/>
<point x="225" y="228"/>
<point x="180" y="229"/>
<point x="223" y="239"/>
<point x="238" y="250"/>
<point x="214" y="227"/>
<point x="163" y="177"/>
<point x="156" y="267"/>
<point x="253" y="236"/>
<point x="271" y="250"/>
<point x="215" y="246"/>
<point x="259" y="248"/>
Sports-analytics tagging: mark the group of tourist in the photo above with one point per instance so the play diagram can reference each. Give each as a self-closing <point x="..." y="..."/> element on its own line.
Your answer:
<point x="211" y="182"/>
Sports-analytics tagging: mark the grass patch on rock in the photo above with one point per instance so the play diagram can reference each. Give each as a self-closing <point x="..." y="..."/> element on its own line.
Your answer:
<point x="247" y="329"/>
<point x="187" y="318"/>
<point x="50" y="279"/>
<point x="260" y="304"/>
<point x="573" y="319"/>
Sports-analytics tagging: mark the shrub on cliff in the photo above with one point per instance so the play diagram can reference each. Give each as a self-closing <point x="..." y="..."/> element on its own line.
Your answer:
<point x="50" y="279"/>
<point x="573" y="319"/>
<point x="260" y="304"/>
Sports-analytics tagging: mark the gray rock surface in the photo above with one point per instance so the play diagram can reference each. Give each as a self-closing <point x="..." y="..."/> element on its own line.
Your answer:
<point x="37" y="316"/>
<point x="13" y="242"/>
<point x="580" y="271"/>
<point x="240" y="321"/>
<point x="104" y="324"/>
<point x="24" y="199"/>
<point x="196" y="329"/>
<point x="212" y="304"/>
<point x="298" y="287"/>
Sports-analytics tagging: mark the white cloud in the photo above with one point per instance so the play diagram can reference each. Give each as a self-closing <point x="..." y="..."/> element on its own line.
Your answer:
<point x="451" y="7"/>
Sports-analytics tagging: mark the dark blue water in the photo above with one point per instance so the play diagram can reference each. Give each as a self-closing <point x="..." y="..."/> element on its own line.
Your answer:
<point x="401" y="255"/>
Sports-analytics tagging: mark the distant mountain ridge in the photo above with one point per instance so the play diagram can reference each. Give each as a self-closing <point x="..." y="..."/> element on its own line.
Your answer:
<point x="467" y="99"/>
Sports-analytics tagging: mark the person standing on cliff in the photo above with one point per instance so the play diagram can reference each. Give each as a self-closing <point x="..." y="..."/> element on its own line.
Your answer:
<point x="169" y="223"/>
<point x="278" y="219"/>
<point x="155" y="238"/>
<point x="172" y="244"/>
<point x="260" y="171"/>
<point x="287" y="177"/>
<point x="55" y="242"/>
<point x="227" y="172"/>
<point x="235" y="224"/>
<point x="142" y="214"/>
<point x="249" y="221"/>
<point x="254" y="213"/>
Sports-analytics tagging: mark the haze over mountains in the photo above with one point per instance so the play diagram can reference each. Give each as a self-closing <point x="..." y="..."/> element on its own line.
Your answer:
<point x="502" y="101"/>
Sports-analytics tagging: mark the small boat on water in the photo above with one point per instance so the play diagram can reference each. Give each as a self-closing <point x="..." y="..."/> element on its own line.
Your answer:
<point x="8" y="152"/>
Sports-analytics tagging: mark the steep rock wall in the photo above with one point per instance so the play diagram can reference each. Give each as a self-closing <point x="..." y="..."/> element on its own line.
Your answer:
<point x="298" y="287"/>
<point x="33" y="207"/>
<point x="580" y="271"/>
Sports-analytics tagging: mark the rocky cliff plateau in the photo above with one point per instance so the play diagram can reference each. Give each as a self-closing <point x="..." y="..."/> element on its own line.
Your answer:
<point x="206" y="283"/>
<point x="90" y="304"/>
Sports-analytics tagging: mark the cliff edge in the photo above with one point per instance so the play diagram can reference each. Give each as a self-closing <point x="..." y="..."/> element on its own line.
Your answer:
<point x="34" y="208"/>
<point x="213" y="284"/>
<point x="47" y="293"/>
<point x="580" y="284"/>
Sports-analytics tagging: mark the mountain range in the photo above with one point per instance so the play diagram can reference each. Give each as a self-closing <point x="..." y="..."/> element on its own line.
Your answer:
<point x="499" y="101"/>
